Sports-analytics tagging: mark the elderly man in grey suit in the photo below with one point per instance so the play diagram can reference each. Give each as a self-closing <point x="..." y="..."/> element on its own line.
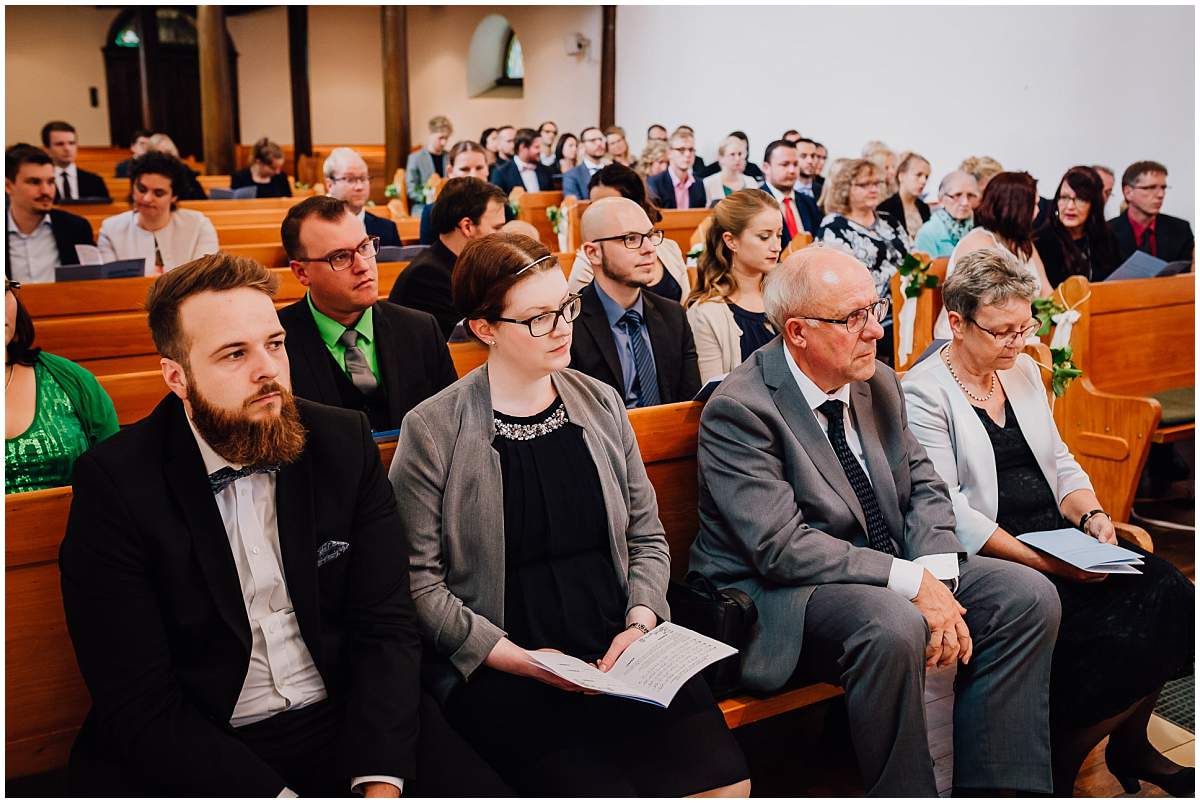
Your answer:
<point x="817" y="501"/>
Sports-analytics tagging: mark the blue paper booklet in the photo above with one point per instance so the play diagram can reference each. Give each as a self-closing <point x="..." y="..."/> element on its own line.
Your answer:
<point x="1084" y="552"/>
<point x="1140" y="265"/>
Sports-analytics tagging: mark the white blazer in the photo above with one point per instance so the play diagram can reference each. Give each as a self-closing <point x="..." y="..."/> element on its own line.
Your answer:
<point x="945" y="423"/>
<point x="714" y="191"/>
<point x="668" y="253"/>
<point x="188" y="236"/>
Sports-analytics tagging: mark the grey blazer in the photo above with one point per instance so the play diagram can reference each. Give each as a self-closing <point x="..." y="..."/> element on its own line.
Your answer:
<point x="416" y="172"/>
<point x="778" y="517"/>
<point x="447" y="481"/>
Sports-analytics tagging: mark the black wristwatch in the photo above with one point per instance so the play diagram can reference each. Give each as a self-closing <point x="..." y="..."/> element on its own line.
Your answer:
<point x="1088" y="517"/>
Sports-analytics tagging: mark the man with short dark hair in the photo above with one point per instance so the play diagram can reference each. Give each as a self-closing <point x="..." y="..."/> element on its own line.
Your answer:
<point x="1143" y="227"/>
<point x="657" y="132"/>
<point x="1107" y="179"/>
<point x="791" y="135"/>
<point x="781" y="166"/>
<point x="505" y="143"/>
<point x="594" y="145"/>
<point x="525" y="169"/>
<point x="39" y="238"/>
<point x="346" y="347"/>
<point x="466" y="208"/>
<point x="72" y="182"/>
<point x="809" y="182"/>
<point x="677" y="187"/>
<point x="138" y="144"/>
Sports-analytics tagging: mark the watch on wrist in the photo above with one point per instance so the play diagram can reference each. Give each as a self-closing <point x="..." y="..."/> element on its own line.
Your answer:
<point x="638" y="626"/>
<point x="1083" y="522"/>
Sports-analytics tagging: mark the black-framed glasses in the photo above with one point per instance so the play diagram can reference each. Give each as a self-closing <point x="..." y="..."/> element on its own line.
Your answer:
<point x="856" y="320"/>
<point x="340" y="260"/>
<point x="352" y="180"/>
<point x="544" y="323"/>
<point x="633" y="240"/>
<point x="1009" y="338"/>
<point x="11" y="285"/>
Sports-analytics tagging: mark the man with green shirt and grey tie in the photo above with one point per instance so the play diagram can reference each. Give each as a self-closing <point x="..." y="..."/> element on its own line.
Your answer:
<point x="348" y="348"/>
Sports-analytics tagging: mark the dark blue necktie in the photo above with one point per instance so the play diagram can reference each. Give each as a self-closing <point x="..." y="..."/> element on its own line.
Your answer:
<point x="221" y="479"/>
<point x="645" y="380"/>
<point x="877" y="531"/>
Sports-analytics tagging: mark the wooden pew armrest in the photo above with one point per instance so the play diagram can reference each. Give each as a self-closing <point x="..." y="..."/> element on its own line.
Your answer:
<point x="1134" y="533"/>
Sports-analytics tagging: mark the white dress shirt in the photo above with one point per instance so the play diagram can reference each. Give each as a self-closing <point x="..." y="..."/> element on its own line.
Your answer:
<point x="905" y="575"/>
<point x="282" y="674"/>
<point x="528" y="175"/>
<point x="188" y="236"/>
<point x="779" y="196"/>
<point x="67" y="174"/>
<point x="34" y="256"/>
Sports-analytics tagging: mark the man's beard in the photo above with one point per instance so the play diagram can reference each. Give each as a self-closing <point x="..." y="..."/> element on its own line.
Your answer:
<point x="278" y="440"/>
<point x="620" y="279"/>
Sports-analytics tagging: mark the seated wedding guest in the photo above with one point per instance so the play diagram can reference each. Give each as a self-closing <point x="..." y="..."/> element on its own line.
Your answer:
<point x="72" y="182"/>
<point x="548" y="131"/>
<point x="638" y="342"/>
<point x="817" y="501"/>
<point x="883" y="158"/>
<point x="656" y="133"/>
<point x="670" y="279"/>
<point x="618" y="146"/>
<point x="346" y="347"/>
<point x="791" y="135"/>
<point x="348" y="179"/>
<point x="54" y="410"/>
<point x="653" y="160"/>
<point x="1143" y="227"/>
<point x="982" y="168"/>
<point x="505" y="144"/>
<point x="595" y="146"/>
<point x="39" y="237"/>
<point x="565" y="154"/>
<point x="751" y="169"/>
<point x="731" y="156"/>
<point x="467" y="159"/>
<point x="906" y="206"/>
<point x="699" y="168"/>
<point x="525" y="168"/>
<point x="427" y="161"/>
<point x="1076" y="241"/>
<point x="678" y="187"/>
<point x="1108" y="178"/>
<point x="809" y="180"/>
<point x="190" y="188"/>
<point x="781" y="166"/>
<point x="978" y="407"/>
<point x="154" y="229"/>
<point x="1003" y="222"/>
<point x="579" y="556"/>
<point x="488" y="140"/>
<point x="265" y="172"/>
<point x="821" y="155"/>
<point x="958" y="195"/>
<point x="725" y="309"/>
<point x="137" y="146"/>
<point x="466" y="209"/>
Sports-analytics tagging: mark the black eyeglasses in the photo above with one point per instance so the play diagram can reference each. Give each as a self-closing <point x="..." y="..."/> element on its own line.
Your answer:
<point x="856" y="320"/>
<point x="544" y="323"/>
<point x="633" y="240"/>
<point x="1009" y="338"/>
<point x="10" y="285"/>
<point x="340" y="260"/>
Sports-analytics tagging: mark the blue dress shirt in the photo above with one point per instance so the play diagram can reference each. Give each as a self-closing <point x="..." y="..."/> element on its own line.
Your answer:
<point x="613" y="311"/>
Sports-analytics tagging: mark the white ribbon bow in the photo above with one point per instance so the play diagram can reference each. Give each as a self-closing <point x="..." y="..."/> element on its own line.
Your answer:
<point x="1063" y="322"/>
<point x="907" y="319"/>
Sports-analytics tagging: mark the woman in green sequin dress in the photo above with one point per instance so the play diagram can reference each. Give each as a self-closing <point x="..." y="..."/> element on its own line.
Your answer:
<point x="54" y="409"/>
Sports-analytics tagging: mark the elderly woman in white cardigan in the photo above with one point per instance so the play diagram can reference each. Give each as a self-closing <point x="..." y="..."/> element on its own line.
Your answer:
<point x="979" y="408"/>
<point x="154" y="229"/>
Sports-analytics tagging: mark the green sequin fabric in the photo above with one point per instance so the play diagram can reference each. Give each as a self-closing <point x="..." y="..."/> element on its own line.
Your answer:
<point x="43" y="455"/>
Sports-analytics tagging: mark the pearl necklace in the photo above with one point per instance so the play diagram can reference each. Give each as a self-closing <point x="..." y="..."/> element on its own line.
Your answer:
<point x="970" y="395"/>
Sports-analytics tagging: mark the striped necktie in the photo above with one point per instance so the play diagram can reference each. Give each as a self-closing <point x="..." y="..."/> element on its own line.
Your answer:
<point x="877" y="531"/>
<point x="645" y="381"/>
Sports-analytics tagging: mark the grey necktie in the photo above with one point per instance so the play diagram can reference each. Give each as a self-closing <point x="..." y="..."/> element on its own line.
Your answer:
<point x="356" y="364"/>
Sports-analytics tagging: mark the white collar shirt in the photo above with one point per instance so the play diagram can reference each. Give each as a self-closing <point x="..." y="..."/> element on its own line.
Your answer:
<point x="34" y="256"/>
<point x="780" y="196"/>
<point x="528" y="175"/>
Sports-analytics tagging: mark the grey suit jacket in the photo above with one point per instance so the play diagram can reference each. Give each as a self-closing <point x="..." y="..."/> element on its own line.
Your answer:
<point x="778" y="517"/>
<point x="447" y="480"/>
<point x="416" y="172"/>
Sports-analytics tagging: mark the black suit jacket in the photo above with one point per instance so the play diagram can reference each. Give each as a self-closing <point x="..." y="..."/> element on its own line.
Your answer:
<point x="89" y="185"/>
<point x="507" y="176"/>
<point x="156" y="613"/>
<point x="414" y="362"/>
<point x="382" y="228"/>
<point x="69" y="231"/>
<point x="594" y="351"/>
<point x="662" y="190"/>
<point x="1174" y="237"/>
<point x="895" y="209"/>
<point x="425" y="285"/>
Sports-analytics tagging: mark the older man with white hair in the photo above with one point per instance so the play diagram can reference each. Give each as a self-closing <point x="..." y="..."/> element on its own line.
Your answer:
<point x="347" y="179"/>
<point x="958" y="195"/>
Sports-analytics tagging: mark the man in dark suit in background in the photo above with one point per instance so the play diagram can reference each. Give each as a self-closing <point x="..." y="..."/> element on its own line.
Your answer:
<point x="1143" y="227"/>
<point x="525" y="169"/>
<point x="594" y="145"/>
<point x="347" y="348"/>
<point x="39" y="238"/>
<point x="138" y="145"/>
<point x="59" y="140"/>
<point x="677" y="187"/>
<point x="347" y="178"/>
<point x="781" y="165"/>
<point x="638" y="342"/>
<point x="808" y="182"/>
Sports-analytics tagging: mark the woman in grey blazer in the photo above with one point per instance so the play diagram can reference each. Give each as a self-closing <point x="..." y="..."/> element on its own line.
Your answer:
<point x="533" y="526"/>
<point x="979" y="408"/>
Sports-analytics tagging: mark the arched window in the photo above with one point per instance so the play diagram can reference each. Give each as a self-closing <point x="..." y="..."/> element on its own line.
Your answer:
<point x="514" y="62"/>
<point x="496" y="63"/>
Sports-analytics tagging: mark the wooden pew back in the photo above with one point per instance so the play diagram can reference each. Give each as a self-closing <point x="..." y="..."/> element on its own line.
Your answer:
<point x="532" y="209"/>
<point x="929" y="304"/>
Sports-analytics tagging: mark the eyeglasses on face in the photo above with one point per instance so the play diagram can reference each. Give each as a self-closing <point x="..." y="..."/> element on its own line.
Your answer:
<point x="593" y="140"/>
<point x="1009" y="338"/>
<point x="11" y="286"/>
<point x="340" y="260"/>
<point x="633" y="240"/>
<point x="856" y="320"/>
<point x="352" y="179"/>
<point x="962" y="197"/>
<point x="684" y="150"/>
<point x="866" y="185"/>
<point x="544" y="323"/>
<point x="1152" y="187"/>
<point x="1068" y="200"/>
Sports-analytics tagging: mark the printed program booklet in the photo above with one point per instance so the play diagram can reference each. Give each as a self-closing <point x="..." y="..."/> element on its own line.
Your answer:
<point x="1084" y="552"/>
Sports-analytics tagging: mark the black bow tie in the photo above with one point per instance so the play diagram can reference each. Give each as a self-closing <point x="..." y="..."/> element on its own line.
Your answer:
<point x="222" y="478"/>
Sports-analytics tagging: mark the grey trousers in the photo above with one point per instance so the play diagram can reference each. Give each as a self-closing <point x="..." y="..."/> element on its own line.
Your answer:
<point x="871" y="642"/>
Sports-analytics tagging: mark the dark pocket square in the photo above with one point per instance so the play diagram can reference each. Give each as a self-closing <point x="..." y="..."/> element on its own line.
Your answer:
<point x="330" y="550"/>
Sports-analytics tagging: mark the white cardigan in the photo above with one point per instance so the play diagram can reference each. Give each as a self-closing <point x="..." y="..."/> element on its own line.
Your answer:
<point x="668" y="253"/>
<point x="945" y="423"/>
<point x="188" y="236"/>
<point x="715" y="191"/>
<point x="718" y="337"/>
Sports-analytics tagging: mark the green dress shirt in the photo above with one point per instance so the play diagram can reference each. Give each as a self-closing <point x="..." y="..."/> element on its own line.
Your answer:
<point x="330" y="331"/>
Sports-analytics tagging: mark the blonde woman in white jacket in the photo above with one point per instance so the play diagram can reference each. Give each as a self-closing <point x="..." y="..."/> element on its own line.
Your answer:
<point x="725" y="309"/>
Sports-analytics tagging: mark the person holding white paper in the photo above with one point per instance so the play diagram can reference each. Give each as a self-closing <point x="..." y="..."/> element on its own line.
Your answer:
<point x="979" y="408"/>
<point x="532" y="526"/>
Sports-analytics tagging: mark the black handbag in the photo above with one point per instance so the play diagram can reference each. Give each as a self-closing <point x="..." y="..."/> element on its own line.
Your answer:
<point x="725" y="614"/>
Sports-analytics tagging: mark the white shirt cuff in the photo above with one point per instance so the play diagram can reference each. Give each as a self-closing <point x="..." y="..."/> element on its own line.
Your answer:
<point x="365" y="779"/>
<point x="287" y="793"/>
<point x="905" y="575"/>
